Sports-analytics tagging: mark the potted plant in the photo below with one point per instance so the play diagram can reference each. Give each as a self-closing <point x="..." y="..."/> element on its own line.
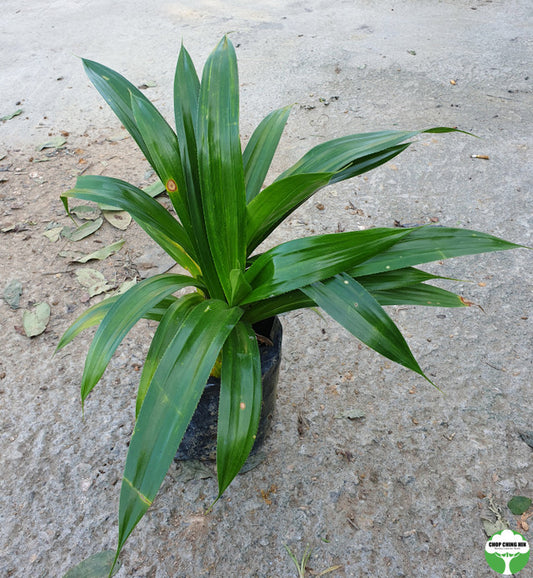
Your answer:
<point x="222" y="216"/>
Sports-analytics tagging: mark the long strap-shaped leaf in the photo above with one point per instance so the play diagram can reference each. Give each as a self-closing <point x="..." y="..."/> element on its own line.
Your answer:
<point x="92" y="316"/>
<point x="121" y="317"/>
<point x="172" y="397"/>
<point x="88" y="318"/>
<point x="166" y="330"/>
<point x="266" y="211"/>
<point x="259" y="152"/>
<point x="427" y="244"/>
<point x="147" y="212"/>
<point x="117" y="92"/>
<point x="220" y="163"/>
<point x="162" y="143"/>
<point x="422" y="295"/>
<point x="240" y="403"/>
<point x="354" y="308"/>
<point x="277" y="201"/>
<point x="186" y="96"/>
<point x="401" y="287"/>
<point x="298" y="263"/>
<point x="338" y="154"/>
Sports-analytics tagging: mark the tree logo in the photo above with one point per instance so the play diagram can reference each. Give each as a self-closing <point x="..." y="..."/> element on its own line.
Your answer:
<point x="507" y="552"/>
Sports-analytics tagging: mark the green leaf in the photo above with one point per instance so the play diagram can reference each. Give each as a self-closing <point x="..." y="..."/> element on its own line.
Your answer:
<point x="95" y="566"/>
<point x="186" y="96"/>
<point x="396" y="279"/>
<point x="157" y="311"/>
<point x="276" y="306"/>
<point x="220" y="162"/>
<point x="117" y="92"/>
<point x="298" y="263"/>
<point x="519" y="504"/>
<point x="163" y="145"/>
<point x="277" y="201"/>
<point x="426" y="244"/>
<point x="424" y="295"/>
<point x="339" y="155"/>
<point x="94" y="314"/>
<point x="382" y="286"/>
<point x="121" y="317"/>
<point x="334" y="155"/>
<point x="268" y="209"/>
<point x="239" y="286"/>
<point x="147" y="212"/>
<point x="240" y="403"/>
<point x="153" y="190"/>
<point x="171" y="400"/>
<point x="354" y="308"/>
<point x="166" y="330"/>
<point x="260" y="150"/>
<point x="367" y="163"/>
<point x="88" y="318"/>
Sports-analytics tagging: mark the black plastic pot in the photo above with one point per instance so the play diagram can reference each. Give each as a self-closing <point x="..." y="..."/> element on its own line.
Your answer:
<point x="200" y="439"/>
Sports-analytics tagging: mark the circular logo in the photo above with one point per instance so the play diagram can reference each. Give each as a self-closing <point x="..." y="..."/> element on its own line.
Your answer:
<point x="507" y="552"/>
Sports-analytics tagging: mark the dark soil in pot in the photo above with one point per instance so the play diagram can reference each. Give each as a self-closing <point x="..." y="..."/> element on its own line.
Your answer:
<point x="200" y="439"/>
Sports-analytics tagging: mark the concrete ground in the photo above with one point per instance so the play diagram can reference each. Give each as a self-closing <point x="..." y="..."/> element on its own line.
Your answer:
<point x="402" y="491"/>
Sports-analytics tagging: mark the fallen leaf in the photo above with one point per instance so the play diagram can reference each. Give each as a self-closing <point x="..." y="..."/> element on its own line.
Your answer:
<point x="81" y="232"/>
<point x="102" y="253"/>
<point x="353" y="413"/>
<point x="54" y="143"/>
<point x="118" y="136"/>
<point x="147" y="84"/>
<point x="36" y="320"/>
<point x="71" y="255"/>
<point x="95" y="566"/>
<point x="12" y="294"/>
<point x="493" y="527"/>
<point x="17" y="228"/>
<point x="93" y="281"/>
<point x="193" y="470"/>
<point x="125" y="286"/>
<point x="11" y="115"/>
<point x="519" y="504"/>
<point x="155" y="189"/>
<point x="54" y="233"/>
<point x="119" y="219"/>
<point x="86" y="212"/>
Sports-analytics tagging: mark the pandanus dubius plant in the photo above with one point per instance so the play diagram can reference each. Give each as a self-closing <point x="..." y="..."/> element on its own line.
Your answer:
<point x="223" y="212"/>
